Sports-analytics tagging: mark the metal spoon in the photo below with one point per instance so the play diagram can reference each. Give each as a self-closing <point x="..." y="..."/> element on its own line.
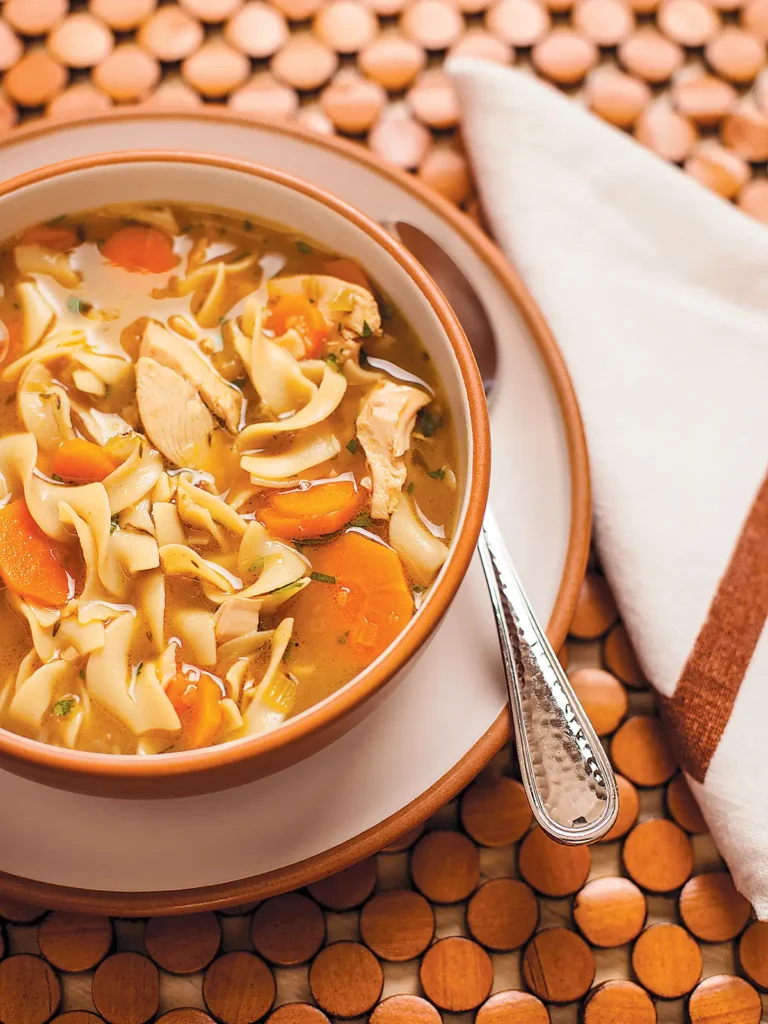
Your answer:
<point x="568" y="779"/>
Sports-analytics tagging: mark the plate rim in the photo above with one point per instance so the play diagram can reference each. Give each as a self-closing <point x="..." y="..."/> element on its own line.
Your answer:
<point x="374" y="839"/>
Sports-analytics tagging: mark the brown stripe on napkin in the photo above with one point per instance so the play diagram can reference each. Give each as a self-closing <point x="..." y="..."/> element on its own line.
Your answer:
<point x="698" y="712"/>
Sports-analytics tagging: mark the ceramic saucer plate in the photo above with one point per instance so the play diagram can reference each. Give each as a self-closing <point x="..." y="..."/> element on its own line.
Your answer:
<point x="447" y="719"/>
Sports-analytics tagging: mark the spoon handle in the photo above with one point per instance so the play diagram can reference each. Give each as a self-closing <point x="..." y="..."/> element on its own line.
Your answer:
<point x="568" y="779"/>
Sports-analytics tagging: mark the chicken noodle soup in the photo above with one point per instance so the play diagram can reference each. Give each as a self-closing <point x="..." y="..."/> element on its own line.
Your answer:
<point x="226" y="477"/>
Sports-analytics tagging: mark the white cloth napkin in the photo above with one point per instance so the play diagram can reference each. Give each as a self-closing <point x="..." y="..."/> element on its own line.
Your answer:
<point x="657" y="293"/>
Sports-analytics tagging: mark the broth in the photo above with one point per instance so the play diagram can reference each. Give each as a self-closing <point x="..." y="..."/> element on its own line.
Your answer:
<point x="227" y="477"/>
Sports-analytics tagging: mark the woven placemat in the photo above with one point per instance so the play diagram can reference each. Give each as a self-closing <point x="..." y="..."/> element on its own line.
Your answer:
<point x="476" y="915"/>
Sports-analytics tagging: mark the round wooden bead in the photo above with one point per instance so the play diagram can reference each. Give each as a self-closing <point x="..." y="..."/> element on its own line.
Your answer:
<point x="618" y="99"/>
<point x="456" y="974"/>
<point x="753" y="199"/>
<point x="211" y="10"/>
<point x="552" y="869"/>
<point x="503" y="914"/>
<point x="566" y="57"/>
<point x="346" y="979"/>
<point x="30" y="992"/>
<point x="80" y="100"/>
<point x="80" y="41"/>
<point x="704" y="98"/>
<point x="717" y="168"/>
<point x="610" y="911"/>
<point x="495" y="811"/>
<point x="432" y="99"/>
<point x="445" y="866"/>
<point x="602" y="696"/>
<point x="658" y="855"/>
<point x="558" y="965"/>
<point x="126" y="988"/>
<point x="712" y="908"/>
<point x="682" y="806"/>
<point x="171" y="34"/>
<point x="257" y="29"/>
<point x="353" y="103"/>
<point x="595" y="609"/>
<point x="264" y="96"/>
<point x="297" y="1013"/>
<point x="518" y="22"/>
<point x="35" y="79"/>
<point x="753" y="954"/>
<point x="754" y="18"/>
<point x="619" y="1002"/>
<point x="173" y="94"/>
<point x="392" y="60"/>
<point x="184" y="1015"/>
<point x="345" y="25"/>
<point x="665" y="132"/>
<point x="216" y="69"/>
<point x="650" y="55"/>
<point x="512" y="1007"/>
<point x="19" y="912"/>
<point x="745" y="131"/>
<point x="667" y="961"/>
<point x="128" y="74"/>
<point x="406" y="840"/>
<point x="736" y="54"/>
<point x="288" y="929"/>
<point x="433" y="24"/>
<point x="482" y="45"/>
<point x="629" y="808"/>
<point x="400" y="139"/>
<point x="185" y="944"/>
<point x="11" y="47"/>
<point x="86" y="1017"/>
<point x="405" y="1009"/>
<point x="397" y="924"/>
<point x="34" y="17"/>
<point x="688" y="22"/>
<point x="238" y="988"/>
<point x="447" y="172"/>
<point x="640" y="751"/>
<point x="620" y="658"/>
<point x="304" y="62"/>
<point x="74" y="942"/>
<point x="346" y="889"/>
<point x="605" y="22"/>
<point x="725" y="999"/>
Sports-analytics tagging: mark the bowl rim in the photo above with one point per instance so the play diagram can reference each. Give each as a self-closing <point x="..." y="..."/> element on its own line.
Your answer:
<point x="342" y="703"/>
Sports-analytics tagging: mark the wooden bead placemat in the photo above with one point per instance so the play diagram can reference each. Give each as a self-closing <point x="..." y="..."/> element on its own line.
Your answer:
<point x="476" y="916"/>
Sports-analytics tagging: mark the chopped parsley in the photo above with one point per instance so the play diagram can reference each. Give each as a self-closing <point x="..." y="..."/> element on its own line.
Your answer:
<point x="417" y="589"/>
<point x="248" y="225"/>
<point x="57" y="220"/>
<point x="75" y="305"/>
<point x="386" y="312"/>
<point x="256" y="565"/>
<point x="139" y="667"/>
<point x="62" y="707"/>
<point x="362" y="519"/>
<point x="367" y="332"/>
<point x="364" y="360"/>
<point x="320" y="577"/>
<point x="332" y="361"/>
<point x="17" y="305"/>
<point x="409" y="488"/>
<point x="57" y="478"/>
<point x="343" y="638"/>
<point x="352" y="445"/>
<point x="11" y="398"/>
<point x="240" y="382"/>
<point x="302" y="246"/>
<point x="82" y="673"/>
<point x="436" y="474"/>
<point x="113" y="524"/>
<point x="427" y="423"/>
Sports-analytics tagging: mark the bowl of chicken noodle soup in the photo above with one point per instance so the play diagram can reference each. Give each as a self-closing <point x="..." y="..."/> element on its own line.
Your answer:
<point x="244" y="457"/>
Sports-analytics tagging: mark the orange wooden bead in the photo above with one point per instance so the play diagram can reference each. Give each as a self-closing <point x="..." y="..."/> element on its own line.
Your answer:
<point x="518" y="22"/>
<point x="495" y="811"/>
<point x="173" y="94"/>
<point x="297" y="1013"/>
<point x="558" y="965"/>
<point x="87" y="1017"/>
<point x="128" y="74"/>
<point x="29" y="990"/>
<point x="703" y="98"/>
<point x="445" y="866"/>
<point x="619" y="1002"/>
<point x="610" y="911"/>
<point x="353" y="103"/>
<point x="74" y="942"/>
<point x="605" y="22"/>
<point x="618" y="99"/>
<point x="34" y="17"/>
<point x="80" y="100"/>
<point x="753" y="199"/>
<point x="288" y="930"/>
<point x="682" y="806"/>
<point x="629" y="807"/>
<point x="456" y="974"/>
<point x="392" y="60"/>
<point x="11" y="47"/>
<point x="35" y="79"/>
<point x="725" y="999"/>
<point x="298" y="10"/>
<point x="346" y="979"/>
<point x="345" y="25"/>
<point x="712" y="908"/>
<point x="650" y="55"/>
<point x="401" y="140"/>
<point x="171" y="34"/>
<point x="512" y="1007"/>
<point x="433" y="100"/>
<point x="736" y="54"/>
<point x="565" y="57"/>
<point x="639" y="750"/>
<point x="602" y="696"/>
<point x="658" y="855"/>
<point x="405" y="1009"/>
<point x="551" y="869"/>
<point x="346" y="889"/>
<point x="19" y="912"/>
<point x="126" y="988"/>
<point x="503" y="914"/>
<point x="264" y="96"/>
<point x="595" y="609"/>
<point x="304" y="62"/>
<point x="397" y="924"/>
<point x="754" y="18"/>
<point x="688" y="22"/>
<point x="122" y="15"/>
<point x="184" y="944"/>
<point x="238" y="988"/>
<point x="211" y="10"/>
<point x="433" y="24"/>
<point x="447" y="172"/>
<point x="216" y="69"/>
<point x="257" y="29"/>
<point x="8" y="114"/>
<point x="620" y="658"/>
<point x="406" y="840"/>
<point x="667" y="961"/>
<point x="753" y="954"/>
<point x="717" y="168"/>
<point x="80" y="41"/>
<point x="386" y="8"/>
<point x="476" y="42"/>
<point x="745" y="131"/>
<point x="182" y="1015"/>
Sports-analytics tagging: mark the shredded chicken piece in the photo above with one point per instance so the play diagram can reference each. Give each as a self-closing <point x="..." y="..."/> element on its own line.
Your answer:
<point x="236" y="617"/>
<point x="384" y="426"/>
<point x="174" y="417"/>
<point x="187" y="361"/>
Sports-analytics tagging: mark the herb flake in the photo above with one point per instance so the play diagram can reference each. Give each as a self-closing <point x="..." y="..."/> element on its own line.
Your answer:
<point x="248" y="225"/>
<point x="62" y="707"/>
<point x="436" y="474"/>
<point x="303" y="246"/>
<point x="57" y="478"/>
<point x="321" y="577"/>
<point x="367" y="332"/>
<point x="362" y="519"/>
<point x="427" y="423"/>
<point x="352" y="445"/>
<point x="240" y="382"/>
<point x="78" y="306"/>
<point x="113" y="524"/>
<point x="343" y="638"/>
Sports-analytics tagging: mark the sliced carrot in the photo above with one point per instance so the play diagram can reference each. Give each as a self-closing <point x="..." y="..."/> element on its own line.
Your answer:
<point x="313" y="512"/>
<point x="137" y="247"/>
<point x="195" y="696"/>
<point x="359" y="600"/>
<point x="51" y="236"/>
<point x="293" y="310"/>
<point x="29" y="564"/>
<point x="83" y="461"/>
<point x="347" y="270"/>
